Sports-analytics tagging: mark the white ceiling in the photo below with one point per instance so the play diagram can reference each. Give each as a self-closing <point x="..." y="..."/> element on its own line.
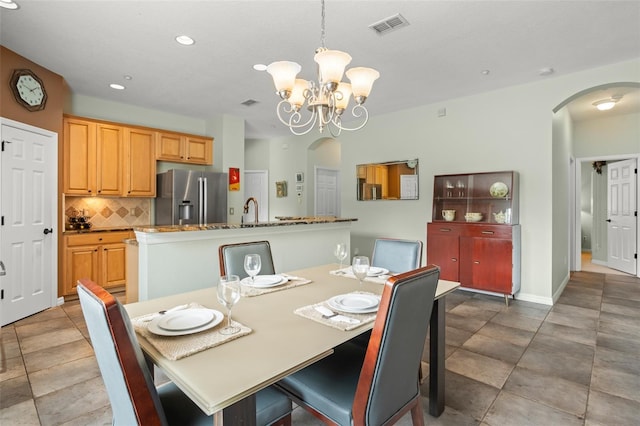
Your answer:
<point x="439" y="56"/>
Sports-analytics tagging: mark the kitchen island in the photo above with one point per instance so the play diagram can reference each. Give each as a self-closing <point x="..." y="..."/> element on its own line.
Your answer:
<point x="177" y="258"/>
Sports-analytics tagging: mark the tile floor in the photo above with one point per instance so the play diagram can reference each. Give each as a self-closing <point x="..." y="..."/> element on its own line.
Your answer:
<point x="575" y="363"/>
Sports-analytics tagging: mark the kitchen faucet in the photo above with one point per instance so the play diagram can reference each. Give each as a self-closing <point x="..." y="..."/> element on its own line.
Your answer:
<point x="246" y="207"/>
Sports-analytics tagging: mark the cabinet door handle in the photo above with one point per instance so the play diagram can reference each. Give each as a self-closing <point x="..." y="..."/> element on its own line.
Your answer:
<point x="445" y="229"/>
<point x="453" y="259"/>
<point x="477" y="262"/>
<point x="488" y="232"/>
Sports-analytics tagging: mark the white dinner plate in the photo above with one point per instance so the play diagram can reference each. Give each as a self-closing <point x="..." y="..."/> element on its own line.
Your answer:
<point x="155" y="329"/>
<point x="375" y="271"/>
<point x="355" y="303"/>
<point x="185" y="319"/>
<point x="265" y="281"/>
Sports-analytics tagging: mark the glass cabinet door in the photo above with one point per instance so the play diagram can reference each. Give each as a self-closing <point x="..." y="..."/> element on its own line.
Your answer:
<point x="476" y="197"/>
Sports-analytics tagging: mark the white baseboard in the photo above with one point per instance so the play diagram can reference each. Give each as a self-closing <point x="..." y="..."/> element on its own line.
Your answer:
<point x="519" y="296"/>
<point x="60" y="301"/>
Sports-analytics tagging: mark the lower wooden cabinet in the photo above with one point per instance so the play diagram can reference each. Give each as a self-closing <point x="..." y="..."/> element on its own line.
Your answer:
<point x="479" y="256"/>
<point x="99" y="256"/>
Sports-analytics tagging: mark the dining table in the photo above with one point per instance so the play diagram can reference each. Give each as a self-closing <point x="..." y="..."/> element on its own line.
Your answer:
<point x="223" y="380"/>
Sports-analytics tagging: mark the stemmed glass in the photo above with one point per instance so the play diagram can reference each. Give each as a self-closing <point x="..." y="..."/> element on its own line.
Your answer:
<point x="228" y="295"/>
<point x="340" y="252"/>
<point x="360" y="266"/>
<point x="252" y="266"/>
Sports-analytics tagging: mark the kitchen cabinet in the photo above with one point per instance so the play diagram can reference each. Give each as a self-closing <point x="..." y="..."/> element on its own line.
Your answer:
<point x="140" y="163"/>
<point x="481" y="251"/>
<point x="92" y="158"/>
<point x="108" y="159"/>
<point x="99" y="256"/>
<point x="181" y="148"/>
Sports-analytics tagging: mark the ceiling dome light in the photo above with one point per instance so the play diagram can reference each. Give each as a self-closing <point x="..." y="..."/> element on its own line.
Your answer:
<point x="607" y="104"/>
<point x="185" y="40"/>
<point x="117" y="86"/>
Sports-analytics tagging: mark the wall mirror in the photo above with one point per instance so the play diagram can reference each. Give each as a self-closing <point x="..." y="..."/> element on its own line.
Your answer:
<point x="392" y="180"/>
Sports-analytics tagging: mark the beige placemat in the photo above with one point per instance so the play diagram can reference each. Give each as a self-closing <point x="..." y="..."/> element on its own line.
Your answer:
<point x="248" y="291"/>
<point x="310" y="312"/>
<point x="176" y="347"/>
<point x="348" y="272"/>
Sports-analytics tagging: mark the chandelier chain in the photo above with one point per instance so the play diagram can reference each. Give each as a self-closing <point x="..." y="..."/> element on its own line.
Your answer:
<point x="322" y="34"/>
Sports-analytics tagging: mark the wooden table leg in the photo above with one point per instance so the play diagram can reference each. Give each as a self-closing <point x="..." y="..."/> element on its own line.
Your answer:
<point x="242" y="413"/>
<point x="436" y="358"/>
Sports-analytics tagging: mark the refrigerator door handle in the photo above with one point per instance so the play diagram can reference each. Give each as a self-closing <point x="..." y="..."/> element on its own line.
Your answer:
<point x="205" y="215"/>
<point x="200" y="207"/>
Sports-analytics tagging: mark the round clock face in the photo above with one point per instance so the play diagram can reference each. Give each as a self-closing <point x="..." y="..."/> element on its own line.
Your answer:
<point x="28" y="90"/>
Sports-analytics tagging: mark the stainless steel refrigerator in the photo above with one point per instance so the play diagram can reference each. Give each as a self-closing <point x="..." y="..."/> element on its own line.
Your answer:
<point x="191" y="197"/>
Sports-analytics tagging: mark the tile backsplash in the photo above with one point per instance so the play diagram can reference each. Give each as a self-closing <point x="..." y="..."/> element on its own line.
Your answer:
<point x="110" y="212"/>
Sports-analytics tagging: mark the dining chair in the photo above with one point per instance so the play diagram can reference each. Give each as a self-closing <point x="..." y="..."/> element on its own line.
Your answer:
<point x="128" y="380"/>
<point x="379" y="383"/>
<point x="397" y="255"/>
<point x="231" y="257"/>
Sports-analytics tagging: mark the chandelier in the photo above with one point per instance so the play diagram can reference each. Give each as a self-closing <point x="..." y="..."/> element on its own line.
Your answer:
<point x="328" y="98"/>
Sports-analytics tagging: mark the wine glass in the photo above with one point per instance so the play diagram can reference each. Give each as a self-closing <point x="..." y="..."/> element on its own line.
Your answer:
<point x="228" y="295"/>
<point x="252" y="266"/>
<point x="360" y="266"/>
<point x="340" y="252"/>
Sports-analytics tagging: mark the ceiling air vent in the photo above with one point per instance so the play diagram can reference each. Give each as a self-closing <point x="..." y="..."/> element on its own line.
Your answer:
<point x="249" y="102"/>
<point x="389" y="24"/>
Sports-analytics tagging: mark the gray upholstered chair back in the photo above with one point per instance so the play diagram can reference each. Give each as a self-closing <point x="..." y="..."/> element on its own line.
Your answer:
<point x="132" y="393"/>
<point x="231" y="258"/>
<point x="397" y="255"/>
<point x="389" y="378"/>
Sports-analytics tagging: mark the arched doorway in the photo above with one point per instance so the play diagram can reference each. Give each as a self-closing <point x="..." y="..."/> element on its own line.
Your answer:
<point x="599" y="136"/>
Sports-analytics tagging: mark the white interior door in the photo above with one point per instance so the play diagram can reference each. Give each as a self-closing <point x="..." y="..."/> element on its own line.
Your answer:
<point x="28" y="208"/>
<point x="327" y="191"/>
<point x="257" y="186"/>
<point x="621" y="209"/>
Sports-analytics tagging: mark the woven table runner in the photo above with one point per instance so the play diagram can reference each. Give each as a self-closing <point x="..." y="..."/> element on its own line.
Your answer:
<point x="310" y="312"/>
<point x="176" y="347"/>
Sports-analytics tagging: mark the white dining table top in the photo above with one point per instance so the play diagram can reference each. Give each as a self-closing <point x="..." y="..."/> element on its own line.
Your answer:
<point x="281" y="342"/>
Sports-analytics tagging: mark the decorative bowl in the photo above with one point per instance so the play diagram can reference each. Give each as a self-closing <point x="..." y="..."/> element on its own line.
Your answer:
<point x="473" y="217"/>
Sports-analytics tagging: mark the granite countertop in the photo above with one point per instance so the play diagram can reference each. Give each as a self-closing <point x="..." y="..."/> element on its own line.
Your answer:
<point x="92" y="230"/>
<point x="286" y="221"/>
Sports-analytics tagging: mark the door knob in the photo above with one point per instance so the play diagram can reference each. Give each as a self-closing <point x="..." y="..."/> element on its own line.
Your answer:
<point x="608" y="220"/>
<point x="2" y="270"/>
<point x="48" y="231"/>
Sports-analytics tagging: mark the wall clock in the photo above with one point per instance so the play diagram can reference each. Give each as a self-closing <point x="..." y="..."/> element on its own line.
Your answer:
<point x="28" y="89"/>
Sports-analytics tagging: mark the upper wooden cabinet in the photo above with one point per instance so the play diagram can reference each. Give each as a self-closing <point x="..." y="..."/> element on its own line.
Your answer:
<point x="140" y="163"/>
<point x="92" y="158"/>
<point x="180" y="148"/>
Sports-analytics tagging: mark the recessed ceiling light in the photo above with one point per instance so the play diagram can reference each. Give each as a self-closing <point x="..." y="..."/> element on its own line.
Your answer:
<point x="546" y="71"/>
<point x="260" y="67"/>
<point x="127" y="77"/>
<point x="117" y="86"/>
<point x="185" y="40"/>
<point x="485" y="72"/>
<point x="8" y="4"/>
